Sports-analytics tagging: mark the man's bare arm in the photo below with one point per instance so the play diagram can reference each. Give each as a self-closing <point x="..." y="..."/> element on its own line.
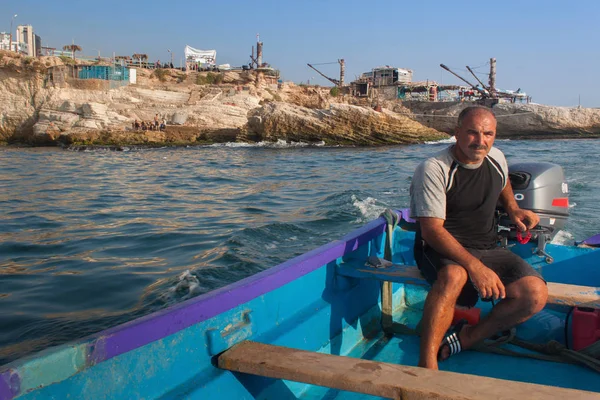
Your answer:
<point x="484" y="279"/>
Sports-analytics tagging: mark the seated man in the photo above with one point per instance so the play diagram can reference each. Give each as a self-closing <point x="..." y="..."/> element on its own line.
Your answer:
<point x="453" y="197"/>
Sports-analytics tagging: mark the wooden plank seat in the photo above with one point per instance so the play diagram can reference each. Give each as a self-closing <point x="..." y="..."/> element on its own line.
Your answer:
<point x="378" y="378"/>
<point x="558" y="293"/>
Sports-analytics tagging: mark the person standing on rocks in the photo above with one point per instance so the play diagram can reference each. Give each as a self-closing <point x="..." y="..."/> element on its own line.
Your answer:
<point x="156" y="121"/>
<point x="453" y="197"/>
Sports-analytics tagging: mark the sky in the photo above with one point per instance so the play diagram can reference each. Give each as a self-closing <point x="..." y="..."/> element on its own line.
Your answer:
<point x="548" y="48"/>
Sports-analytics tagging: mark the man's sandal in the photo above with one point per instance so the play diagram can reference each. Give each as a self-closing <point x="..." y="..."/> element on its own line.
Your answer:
<point x="451" y="340"/>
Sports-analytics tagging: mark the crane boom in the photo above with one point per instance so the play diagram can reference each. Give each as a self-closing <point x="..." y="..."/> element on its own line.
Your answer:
<point x="483" y="92"/>
<point x="334" y="81"/>
<point x="475" y="76"/>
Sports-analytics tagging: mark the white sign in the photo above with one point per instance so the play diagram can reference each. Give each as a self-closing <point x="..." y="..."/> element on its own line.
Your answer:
<point x="200" y="56"/>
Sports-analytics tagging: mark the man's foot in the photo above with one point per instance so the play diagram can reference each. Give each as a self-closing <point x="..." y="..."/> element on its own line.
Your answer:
<point x="455" y="341"/>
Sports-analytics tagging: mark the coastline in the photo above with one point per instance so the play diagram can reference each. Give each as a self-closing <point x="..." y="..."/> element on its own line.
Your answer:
<point x="242" y="107"/>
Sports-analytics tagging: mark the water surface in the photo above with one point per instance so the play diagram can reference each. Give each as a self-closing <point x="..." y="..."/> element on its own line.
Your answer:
<point x="89" y="240"/>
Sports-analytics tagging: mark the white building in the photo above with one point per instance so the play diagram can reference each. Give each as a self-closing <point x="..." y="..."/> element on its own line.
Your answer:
<point x="4" y="41"/>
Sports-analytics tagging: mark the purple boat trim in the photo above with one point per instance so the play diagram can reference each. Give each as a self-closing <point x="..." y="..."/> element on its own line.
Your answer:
<point x="405" y="215"/>
<point x="593" y="241"/>
<point x="9" y="384"/>
<point x="131" y="335"/>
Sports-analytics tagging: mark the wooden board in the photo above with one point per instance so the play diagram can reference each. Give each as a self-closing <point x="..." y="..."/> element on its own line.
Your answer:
<point x="573" y="295"/>
<point x="380" y="379"/>
<point x="558" y="293"/>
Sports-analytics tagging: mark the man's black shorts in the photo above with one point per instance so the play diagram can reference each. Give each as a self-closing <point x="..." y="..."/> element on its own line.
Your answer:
<point x="507" y="265"/>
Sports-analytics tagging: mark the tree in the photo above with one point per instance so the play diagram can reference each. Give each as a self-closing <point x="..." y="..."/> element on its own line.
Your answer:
<point x="72" y="48"/>
<point x="140" y="57"/>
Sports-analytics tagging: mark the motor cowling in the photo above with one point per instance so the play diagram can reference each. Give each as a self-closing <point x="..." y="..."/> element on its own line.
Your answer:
<point x="541" y="188"/>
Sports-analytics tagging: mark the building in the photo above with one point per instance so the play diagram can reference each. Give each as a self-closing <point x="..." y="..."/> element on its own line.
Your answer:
<point x="384" y="80"/>
<point x="4" y="41"/>
<point x="29" y="43"/>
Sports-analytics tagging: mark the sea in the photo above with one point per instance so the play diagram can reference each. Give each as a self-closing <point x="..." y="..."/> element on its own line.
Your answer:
<point x="92" y="239"/>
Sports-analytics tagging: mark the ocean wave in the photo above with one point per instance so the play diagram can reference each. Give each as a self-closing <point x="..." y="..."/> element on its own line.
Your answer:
<point x="279" y="144"/>
<point x="451" y="139"/>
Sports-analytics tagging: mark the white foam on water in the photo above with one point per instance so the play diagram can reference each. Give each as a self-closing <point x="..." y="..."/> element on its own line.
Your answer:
<point x="187" y="286"/>
<point x="451" y="139"/>
<point x="563" y="238"/>
<point x="368" y="208"/>
<point x="271" y="246"/>
<point x="279" y="144"/>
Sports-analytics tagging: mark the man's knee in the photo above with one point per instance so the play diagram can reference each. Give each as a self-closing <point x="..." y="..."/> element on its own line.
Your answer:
<point x="533" y="294"/>
<point x="452" y="278"/>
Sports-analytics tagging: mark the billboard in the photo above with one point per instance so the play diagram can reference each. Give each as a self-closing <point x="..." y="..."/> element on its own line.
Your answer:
<point x="200" y="56"/>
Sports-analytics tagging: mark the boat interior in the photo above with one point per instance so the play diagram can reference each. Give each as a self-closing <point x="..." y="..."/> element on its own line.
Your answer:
<point x="372" y="314"/>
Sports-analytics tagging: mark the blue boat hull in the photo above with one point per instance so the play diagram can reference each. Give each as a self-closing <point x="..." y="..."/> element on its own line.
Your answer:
<point x="304" y="303"/>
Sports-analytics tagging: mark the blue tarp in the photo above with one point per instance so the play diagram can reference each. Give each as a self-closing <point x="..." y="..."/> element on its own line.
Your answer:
<point x="104" y="72"/>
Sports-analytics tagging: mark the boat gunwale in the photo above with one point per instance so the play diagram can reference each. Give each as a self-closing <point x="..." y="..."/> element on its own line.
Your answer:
<point x="139" y="332"/>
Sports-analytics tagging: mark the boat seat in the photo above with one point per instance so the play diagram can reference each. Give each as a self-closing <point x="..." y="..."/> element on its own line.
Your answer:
<point x="378" y="378"/>
<point x="558" y="293"/>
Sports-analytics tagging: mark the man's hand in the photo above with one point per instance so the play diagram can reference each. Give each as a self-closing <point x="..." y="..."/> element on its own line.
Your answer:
<point x="524" y="219"/>
<point x="487" y="283"/>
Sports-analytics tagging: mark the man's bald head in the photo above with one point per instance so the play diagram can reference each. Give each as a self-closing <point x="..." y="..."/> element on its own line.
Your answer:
<point x="471" y="111"/>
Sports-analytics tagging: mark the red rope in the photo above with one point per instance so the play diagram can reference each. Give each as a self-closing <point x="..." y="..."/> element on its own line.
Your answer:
<point x="523" y="240"/>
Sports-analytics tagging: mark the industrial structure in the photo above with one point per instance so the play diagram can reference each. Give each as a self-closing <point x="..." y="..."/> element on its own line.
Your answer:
<point x="390" y="83"/>
<point x="383" y="81"/>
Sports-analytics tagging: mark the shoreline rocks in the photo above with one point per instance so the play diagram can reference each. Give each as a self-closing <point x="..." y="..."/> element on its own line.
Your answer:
<point x="515" y="121"/>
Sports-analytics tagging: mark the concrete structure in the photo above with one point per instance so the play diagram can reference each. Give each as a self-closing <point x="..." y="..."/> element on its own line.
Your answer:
<point x="384" y="80"/>
<point x="29" y="43"/>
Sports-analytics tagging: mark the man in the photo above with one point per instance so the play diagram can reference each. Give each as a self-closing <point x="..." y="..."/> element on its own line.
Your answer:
<point x="453" y="197"/>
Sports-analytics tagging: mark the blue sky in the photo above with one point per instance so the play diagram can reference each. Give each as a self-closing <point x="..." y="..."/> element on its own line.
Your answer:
<point x="550" y="49"/>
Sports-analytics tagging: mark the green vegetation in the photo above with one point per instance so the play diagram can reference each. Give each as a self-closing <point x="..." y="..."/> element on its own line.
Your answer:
<point x="27" y="60"/>
<point x="67" y="60"/>
<point x="335" y="91"/>
<point x="209" y="79"/>
<point x="161" y="74"/>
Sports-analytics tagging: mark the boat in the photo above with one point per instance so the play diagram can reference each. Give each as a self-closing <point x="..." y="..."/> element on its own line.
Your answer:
<point x="341" y="322"/>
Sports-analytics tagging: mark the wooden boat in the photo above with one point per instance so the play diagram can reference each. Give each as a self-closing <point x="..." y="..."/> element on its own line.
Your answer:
<point x="324" y="325"/>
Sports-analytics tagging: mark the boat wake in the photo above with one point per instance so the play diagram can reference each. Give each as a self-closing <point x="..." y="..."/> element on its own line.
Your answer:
<point x="370" y="208"/>
<point x="563" y="238"/>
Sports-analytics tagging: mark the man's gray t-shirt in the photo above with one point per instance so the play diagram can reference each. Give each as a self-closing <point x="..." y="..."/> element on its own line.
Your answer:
<point x="463" y="195"/>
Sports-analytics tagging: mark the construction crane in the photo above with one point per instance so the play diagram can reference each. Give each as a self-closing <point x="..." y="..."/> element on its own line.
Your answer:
<point x="484" y="92"/>
<point x="336" y="82"/>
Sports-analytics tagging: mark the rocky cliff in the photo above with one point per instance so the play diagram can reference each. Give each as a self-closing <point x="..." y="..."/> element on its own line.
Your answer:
<point x="339" y="124"/>
<point x="240" y="107"/>
<point x="523" y="121"/>
<point x="234" y="106"/>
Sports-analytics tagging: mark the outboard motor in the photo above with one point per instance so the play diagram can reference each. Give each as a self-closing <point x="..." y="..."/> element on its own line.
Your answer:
<point x="541" y="188"/>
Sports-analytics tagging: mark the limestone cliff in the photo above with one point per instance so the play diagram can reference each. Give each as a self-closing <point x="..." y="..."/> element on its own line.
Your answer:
<point x="236" y="106"/>
<point x="525" y="121"/>
<point x="339" y="124"/>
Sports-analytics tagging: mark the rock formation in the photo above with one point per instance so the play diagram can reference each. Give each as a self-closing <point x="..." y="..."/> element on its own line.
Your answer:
<point x="518" y="121"/>
<point x="340" y="124"/>
<point x="234" y="106"/>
